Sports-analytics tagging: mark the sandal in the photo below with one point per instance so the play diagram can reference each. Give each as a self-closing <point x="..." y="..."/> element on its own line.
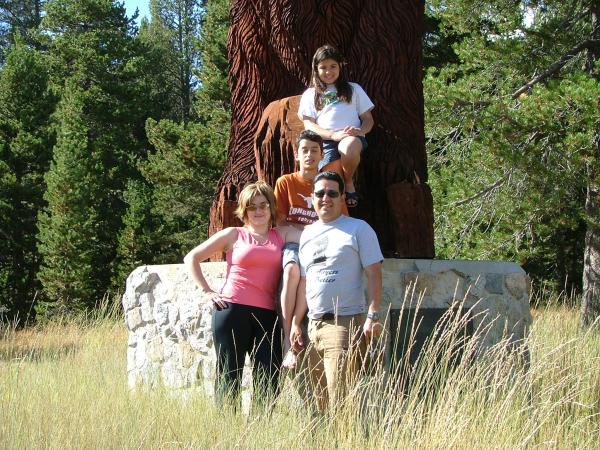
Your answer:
<point x="351" y="199"/>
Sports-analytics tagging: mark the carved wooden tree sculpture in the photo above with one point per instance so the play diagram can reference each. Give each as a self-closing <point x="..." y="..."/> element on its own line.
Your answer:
<point x="271" y="43"/>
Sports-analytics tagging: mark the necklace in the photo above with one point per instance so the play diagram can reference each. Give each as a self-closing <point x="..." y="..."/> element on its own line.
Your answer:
<point x="258" y="237"/>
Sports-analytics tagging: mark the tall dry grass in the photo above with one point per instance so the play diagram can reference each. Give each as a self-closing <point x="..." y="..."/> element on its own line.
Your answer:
<point x="63" y="385"/>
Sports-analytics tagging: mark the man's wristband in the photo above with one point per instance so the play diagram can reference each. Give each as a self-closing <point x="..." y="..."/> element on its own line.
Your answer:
<point x="374" y="316"/>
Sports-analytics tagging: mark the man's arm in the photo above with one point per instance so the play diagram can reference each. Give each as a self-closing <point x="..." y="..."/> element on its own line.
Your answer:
<point x="373" y="328"/>
<point x="289" y="233"/>
<point x="299" y="312"/>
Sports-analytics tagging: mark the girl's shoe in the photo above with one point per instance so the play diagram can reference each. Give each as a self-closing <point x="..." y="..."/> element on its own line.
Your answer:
<point x="351" y="199"/>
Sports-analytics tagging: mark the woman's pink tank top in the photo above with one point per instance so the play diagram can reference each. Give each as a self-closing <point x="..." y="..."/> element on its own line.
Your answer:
<point x="253" y="270"/>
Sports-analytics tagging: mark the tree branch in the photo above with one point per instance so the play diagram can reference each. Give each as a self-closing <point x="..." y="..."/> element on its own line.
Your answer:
<point x="556" y="66"/>
<point x="485" y="190"/>
<point x="570" y="19"/>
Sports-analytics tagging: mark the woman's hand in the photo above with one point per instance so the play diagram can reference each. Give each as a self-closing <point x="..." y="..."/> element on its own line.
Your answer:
<point x="217" y="300"/>
<point x="339" y="135"/>
<point x="218" y="242"/>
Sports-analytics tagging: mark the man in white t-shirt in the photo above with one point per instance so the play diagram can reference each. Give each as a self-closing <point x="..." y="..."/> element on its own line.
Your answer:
<point x="334" y="253"/>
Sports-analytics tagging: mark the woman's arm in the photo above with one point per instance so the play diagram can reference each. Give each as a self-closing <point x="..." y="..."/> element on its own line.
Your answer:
<point x="311" y="124"/>
<point x="366" y="125"/>
<point x="218" y="243"/>
<point x="366" y="122"/>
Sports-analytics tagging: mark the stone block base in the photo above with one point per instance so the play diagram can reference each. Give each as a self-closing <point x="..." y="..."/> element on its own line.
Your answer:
<point x="169" y="319"/>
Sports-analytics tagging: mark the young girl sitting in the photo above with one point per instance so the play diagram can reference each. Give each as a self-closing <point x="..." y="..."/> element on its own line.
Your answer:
<point x="340" y="112"/>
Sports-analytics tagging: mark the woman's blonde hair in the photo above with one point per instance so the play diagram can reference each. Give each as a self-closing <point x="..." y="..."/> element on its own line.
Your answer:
<point x="247" y="195"/>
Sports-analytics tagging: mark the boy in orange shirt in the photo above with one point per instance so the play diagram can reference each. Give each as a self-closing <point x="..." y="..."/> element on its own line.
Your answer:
<point x="293" y="193"/>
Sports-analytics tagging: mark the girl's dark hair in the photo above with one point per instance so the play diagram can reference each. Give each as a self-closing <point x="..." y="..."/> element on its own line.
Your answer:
<point x="344" y="90"/>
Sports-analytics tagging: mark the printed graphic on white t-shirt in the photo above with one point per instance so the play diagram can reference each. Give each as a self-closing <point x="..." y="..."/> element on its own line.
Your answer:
<point x="330" y="98"/>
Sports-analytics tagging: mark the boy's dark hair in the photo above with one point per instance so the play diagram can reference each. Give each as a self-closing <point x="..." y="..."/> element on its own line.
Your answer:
<point x="309" y="136"/>
<point x="344" y="90"/>
<point x="332" y="176"/>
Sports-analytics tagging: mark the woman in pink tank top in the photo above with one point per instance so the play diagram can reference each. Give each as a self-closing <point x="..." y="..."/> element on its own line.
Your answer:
<point x="245" y="317"/>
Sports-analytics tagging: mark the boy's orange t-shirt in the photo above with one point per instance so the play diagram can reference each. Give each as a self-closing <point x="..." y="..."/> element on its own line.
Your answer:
<point x="294" y="199"/>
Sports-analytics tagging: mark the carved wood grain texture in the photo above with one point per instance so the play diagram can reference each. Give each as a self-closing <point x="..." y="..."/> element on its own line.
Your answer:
<point x="270" y="46"/>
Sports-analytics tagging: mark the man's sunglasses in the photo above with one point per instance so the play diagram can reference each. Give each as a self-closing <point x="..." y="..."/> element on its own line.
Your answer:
<point x="262" y="207"/>
<point x="330" y="193"/>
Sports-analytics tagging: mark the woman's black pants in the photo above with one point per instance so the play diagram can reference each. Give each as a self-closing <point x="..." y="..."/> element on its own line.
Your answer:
<point x="240" y="330"/>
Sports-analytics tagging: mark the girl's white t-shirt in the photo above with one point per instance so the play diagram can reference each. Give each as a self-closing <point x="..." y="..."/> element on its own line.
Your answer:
<point x="336" y="114"/>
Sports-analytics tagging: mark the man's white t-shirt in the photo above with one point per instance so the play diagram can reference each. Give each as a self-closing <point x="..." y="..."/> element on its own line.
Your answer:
<point x="336" y="114"/>
<point x="333" y="256"/>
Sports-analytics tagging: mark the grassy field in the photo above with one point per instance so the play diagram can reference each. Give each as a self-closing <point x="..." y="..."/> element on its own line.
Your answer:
<point x="64" y="386"/>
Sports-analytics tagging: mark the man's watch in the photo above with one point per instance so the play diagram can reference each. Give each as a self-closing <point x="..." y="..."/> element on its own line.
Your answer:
<point x="374" y="316"/>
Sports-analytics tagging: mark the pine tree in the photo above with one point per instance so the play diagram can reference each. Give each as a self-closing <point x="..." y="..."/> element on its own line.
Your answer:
<point x="74" y="266"/>
<point x="25" y="143"/>
<point x="96" y="71"/>
<point x="183" y="172"/>
<point x="170" y="58"/>
<point x="511" y="131"/>
<point x="213" y="100"/>
<point x="183" y="168"/>
<point x="215" y="65"/>
<point x="158" y="55"/>
<point x="19" y="17"/>
<point x="590" y="305"/>
<point x="138" y="241"/>
<point x="174" y="30"/>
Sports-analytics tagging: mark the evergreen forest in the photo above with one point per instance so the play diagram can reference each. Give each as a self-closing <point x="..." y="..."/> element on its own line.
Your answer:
<point x="113" y="135"/>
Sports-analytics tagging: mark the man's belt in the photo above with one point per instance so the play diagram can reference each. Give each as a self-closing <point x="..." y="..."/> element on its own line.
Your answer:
<point x="325" y="316"/>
